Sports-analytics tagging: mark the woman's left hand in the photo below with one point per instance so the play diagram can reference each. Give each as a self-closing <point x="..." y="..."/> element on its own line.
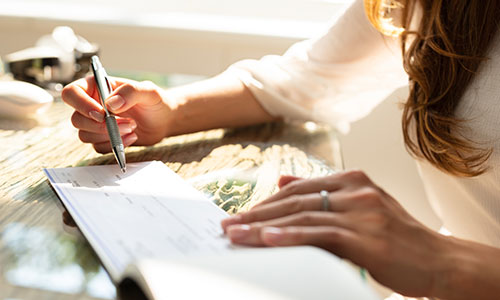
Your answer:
<point x="362" y="223"/>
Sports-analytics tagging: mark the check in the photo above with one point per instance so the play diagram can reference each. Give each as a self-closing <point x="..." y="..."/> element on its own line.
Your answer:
<point x="147" y="212"/>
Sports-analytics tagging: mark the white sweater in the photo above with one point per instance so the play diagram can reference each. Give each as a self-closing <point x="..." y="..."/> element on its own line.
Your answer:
<point x="340" y="76"/>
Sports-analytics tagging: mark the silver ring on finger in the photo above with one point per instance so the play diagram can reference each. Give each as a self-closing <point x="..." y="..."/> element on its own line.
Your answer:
<point x="325" y="203"/>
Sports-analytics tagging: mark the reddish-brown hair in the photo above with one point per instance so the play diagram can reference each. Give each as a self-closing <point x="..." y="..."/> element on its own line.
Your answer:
<point x="441" y="56"/>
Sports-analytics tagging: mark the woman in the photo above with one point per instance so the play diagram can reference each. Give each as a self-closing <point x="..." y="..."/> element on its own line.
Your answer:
<point x="449" y="51"/>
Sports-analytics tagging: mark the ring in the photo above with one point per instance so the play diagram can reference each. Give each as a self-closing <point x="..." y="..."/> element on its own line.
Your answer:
<point x="325" y="204"/>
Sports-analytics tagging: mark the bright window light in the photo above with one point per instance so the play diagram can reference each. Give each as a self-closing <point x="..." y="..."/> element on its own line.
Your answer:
<point x="299" y="10"/>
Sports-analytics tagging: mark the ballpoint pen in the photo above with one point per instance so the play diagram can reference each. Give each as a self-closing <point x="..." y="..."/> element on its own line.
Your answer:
<point x="104" y="89"/>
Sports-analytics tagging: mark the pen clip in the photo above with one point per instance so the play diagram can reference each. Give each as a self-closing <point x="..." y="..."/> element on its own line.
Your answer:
<point x="108" y="85"/>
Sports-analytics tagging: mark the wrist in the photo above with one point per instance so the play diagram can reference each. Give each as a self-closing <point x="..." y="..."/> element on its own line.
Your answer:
<point x="459" y="270"/>
<point x="173" y="121"/>
<point x="444" y="265"/>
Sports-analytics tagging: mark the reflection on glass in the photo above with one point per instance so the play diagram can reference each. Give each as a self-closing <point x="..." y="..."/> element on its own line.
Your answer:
<point x="253" y="173"/>
<point x="60" y="263"/>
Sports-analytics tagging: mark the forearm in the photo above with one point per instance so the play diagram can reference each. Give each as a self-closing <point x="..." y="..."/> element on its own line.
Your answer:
<point x="218" y="102"/>
<point x="472" y="271"/>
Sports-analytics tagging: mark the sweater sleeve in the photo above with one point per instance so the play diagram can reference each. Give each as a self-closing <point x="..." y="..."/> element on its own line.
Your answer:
<point x="336" y="78"/>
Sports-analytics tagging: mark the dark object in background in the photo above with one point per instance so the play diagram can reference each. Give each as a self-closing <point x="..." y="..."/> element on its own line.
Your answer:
<point x="56" y="60"/>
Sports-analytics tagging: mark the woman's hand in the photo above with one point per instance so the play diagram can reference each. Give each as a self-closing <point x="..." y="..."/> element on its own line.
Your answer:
<point x="363" y="224"/>
<point x="142" y="112"/>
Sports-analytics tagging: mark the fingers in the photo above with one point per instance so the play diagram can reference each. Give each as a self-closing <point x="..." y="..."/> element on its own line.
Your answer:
<point x="286" y="179"/>
<point x="84" y="123"/>
<point x="82" y="96"/>
<point x="250" y="234"/>
<point x="337" y="240"/>
<point x="288" y="206"/>
<point x="125" y="125"/>
<point x="305" y="186"/>
<point x="95" y="138"/>
<point x="96" y="133"/>
<point x="129" y="94"/>
<point x="105" y="147"/>
<point x="366" y="198"/>
<point x="92" y="138"/>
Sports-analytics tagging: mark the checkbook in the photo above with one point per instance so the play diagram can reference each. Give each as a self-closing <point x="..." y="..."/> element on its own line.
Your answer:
<point x="159" y="238"/>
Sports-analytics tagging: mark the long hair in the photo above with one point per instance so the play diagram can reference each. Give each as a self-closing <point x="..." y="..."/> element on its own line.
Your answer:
<point x="441" y="56"/>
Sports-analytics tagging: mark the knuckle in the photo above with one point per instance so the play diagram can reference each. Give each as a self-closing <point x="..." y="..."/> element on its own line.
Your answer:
<point x="378" y="219"/>
<point x="151" y="88"/>
<point x="369" y="195"/>
<point x="305" y="218"/>
<point x="67" y="92"/>
<point x="333" y="238"/>
<point x="75" y="119"/>
<point x="356" y="176"/>
<point x="336" y="240"/>
<point x="296" y="235"/>
<point x="127" y="88"/>
<point x="249" y="217"/>
<point x="99" y="149"/>
<point x="81" y="122"/>
<point x="295" y="204"/>
<point x="82" y="135"/>
<point x="257" y="225"/>
<point x="129" y="85"/>
<point x="148" y="85"/>
<point x="291" y="188"/>
<point x="101" y="128"/>
<point x="331" y="180"/>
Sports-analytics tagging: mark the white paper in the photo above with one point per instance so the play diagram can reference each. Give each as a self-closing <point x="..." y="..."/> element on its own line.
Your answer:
<point x="148" y="212"/>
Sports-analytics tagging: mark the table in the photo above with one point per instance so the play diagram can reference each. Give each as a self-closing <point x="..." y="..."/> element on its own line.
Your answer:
<point x="41" y="258"/>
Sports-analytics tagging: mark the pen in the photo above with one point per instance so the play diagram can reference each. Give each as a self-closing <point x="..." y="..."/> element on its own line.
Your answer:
<point x="104" y="89"/>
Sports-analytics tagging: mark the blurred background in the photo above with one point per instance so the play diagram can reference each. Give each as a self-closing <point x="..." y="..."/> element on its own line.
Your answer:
<point x="195" y="37"/>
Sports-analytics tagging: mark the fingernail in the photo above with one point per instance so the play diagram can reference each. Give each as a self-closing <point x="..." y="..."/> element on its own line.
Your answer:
<point x="129" y="139"/>
<point x="99" y="117"/>
<point x="133" y="125"/>
<point x="115" y="102"/>
<point x="272" y="235"/>
<point x="238" y="232"/>
<point x="230" y="221"/>
<point x="125" y="128"/>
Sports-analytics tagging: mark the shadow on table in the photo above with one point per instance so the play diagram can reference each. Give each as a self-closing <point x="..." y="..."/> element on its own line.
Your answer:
<point x="17" y="124"/>
<point x="237" y="168"/>
<point x="194" y="147"/>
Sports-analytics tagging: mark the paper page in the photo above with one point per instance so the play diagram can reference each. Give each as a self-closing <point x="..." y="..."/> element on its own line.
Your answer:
<point x="147" y="212"/>
<point x="302" y="272"/>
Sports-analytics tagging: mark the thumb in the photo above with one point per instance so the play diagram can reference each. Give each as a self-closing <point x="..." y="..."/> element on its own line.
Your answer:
<point x="131" y="93"/>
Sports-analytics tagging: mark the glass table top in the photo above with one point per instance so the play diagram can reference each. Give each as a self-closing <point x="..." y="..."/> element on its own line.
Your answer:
<point x="42" y="258"/>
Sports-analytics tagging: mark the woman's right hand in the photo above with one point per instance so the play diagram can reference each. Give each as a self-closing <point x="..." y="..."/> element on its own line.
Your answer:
<point x="142" y="112"/>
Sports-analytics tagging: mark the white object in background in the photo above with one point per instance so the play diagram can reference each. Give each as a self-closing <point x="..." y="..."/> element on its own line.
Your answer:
<point x="63" y="40"/>
<point x="19" y="99"/>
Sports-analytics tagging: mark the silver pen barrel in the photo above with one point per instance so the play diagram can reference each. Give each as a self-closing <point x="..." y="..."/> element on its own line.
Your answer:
<point x="101" y="81"/>
<point x="104" y="89"/>
<point x="116" y="141"/>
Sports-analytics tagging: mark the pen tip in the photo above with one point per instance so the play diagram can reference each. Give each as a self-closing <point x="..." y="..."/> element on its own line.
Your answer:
<point x="124" y="169"/>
